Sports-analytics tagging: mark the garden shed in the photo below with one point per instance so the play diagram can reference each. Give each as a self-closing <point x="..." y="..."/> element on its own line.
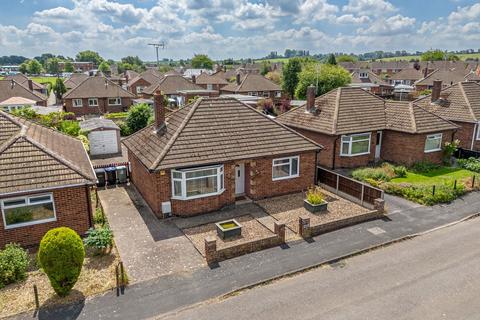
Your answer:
<point x="103" y="135"/>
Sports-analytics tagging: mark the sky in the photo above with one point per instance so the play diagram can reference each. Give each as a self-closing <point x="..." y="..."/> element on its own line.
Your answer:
<point x="235" y="28"/>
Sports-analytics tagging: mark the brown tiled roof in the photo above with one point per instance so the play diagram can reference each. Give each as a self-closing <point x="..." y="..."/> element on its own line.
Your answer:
<point x="372" y="78"/>
<point x="97" y="87"/>
<point x="460" y="102"/>
<point x="350" y="110"/>
<point x="408" y="117"/>
<point x="11" y="88"/>
<point x="149" y="76"/>
<point x="36" y="157"/>
<point x="75" y="79"/>
<point x="205" y="78"/>
<point x="171" y="84"/>
<point x="401" y="64"/>
<point x="252" y="82"/>
<point x="23" y="79"/>
<point x="448" y="77"/>
<point x="214" y="130"/>
<point x="407" y="74"/>
<point x="131" y="74"/>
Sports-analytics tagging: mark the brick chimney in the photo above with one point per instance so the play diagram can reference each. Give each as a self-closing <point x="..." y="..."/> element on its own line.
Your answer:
<point x="238" y="78"/>
<point x="311" y="98"/>
<point x="30" y="84"/>
<point x="437" y="88"/>
<point x="194" y="78"/>
<point x="159" y="110"/>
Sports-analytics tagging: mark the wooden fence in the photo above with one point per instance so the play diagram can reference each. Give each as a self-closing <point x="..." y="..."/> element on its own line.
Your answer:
<point x="354" y="190"/>
<point x="466" y="153"/>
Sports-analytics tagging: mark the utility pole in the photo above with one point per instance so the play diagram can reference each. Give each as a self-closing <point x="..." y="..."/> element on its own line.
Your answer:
<point x="158" y="45"/>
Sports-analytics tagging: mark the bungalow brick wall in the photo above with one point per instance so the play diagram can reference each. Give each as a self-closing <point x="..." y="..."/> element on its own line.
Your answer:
<point x="139" y="83"/>
<point x="465" y="134"/>
<point x="102" y="107"/>
<point x="156" y="187"/>
<point x="407" y="149"/>
<point x="71" y="208"/>
<point x="214" y="86"/>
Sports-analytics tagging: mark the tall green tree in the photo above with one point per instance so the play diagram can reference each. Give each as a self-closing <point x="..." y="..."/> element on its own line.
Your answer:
<point x="346" y="58"/>
<point x="52" y="66"/>
<point x="433" y="55"/>
<point x="265" y="68"/>
<point x="34" y="67"/>
<point x="202" y="61"/>
<point x="59" y="88"/>
<point x="331" y="59"/>
<point x="328" y="77"/>
<point x="104" y="67"/>
<point x="23" y="67"/>
<point x="290" y="75"/>
<point x="89" y="56"/>
<point x="138" y="117"/>
<point x="68" y="67"/>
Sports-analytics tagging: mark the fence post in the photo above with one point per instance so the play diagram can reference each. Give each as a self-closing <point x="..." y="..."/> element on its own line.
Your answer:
<point x="117" y="280"/>
<point x="473" y="181"/>
<point x="455" y="185"/>
<point x="433" y="190"/>
<point x="338" y="182"/>
<point x="363" y="192"/>
<point x="122" y="276"/>
<point x="35" y="292"/>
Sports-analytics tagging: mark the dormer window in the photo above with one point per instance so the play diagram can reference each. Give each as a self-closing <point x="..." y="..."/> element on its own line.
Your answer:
<point x="363" y="75"/>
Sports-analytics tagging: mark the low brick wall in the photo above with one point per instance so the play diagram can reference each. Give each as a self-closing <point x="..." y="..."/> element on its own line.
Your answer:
<point x="213" y="255"/>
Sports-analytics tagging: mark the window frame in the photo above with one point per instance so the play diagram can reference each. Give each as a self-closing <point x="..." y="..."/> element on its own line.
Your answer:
<point x="278" y="94"/>
<point x="93" y="99"/>
<point x="118" y="99"/>
<point x="139" y="89"/>
<point x="266" y="94"/>
<point x="290" y="176"/>
<point x="350" y="143"/>
<point x="183" y="180"/>
<point x="433" y="136"/>
<point x="477" y="135"/>
<point x="26" y="204"/>
<point x="75" y="105"/>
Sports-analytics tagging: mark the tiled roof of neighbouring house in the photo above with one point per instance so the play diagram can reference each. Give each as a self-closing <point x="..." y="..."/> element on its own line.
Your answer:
<point x="252" y="82"/>
<point x="23" y="79"/>
<point x="214" y="130"/>
<point x="149" y="76"/>
<point x="350" y="110"/>
<point x="448" y="77"/>
<point x="97" y="87"/>
<point x="11" y="88"/>
<point x="407" y="74"/>
<point x="36" y="157"/>
<point x="460" y="102"/>
<point x="75" y="79"/>
<point x="205" y="78"/>
<point x="171" y="84"/>
<point x="371" y="78"/>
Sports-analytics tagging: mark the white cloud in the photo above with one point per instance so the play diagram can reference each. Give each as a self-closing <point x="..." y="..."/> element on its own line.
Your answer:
<point x="390" y="27"/>
<point x="350" y="18"/>
<point x="315" y="10"/>
<point x="369" y="7"/>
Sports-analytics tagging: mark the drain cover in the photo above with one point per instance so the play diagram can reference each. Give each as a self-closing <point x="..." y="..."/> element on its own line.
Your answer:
<point x="376" y="230"/>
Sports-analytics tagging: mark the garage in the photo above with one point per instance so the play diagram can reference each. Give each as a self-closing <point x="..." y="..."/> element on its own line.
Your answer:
<point x="103" y="136"/>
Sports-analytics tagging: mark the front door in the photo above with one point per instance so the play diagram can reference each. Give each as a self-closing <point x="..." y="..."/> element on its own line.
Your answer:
<point x="240" y="179"/>
<point x="378" y="147"/>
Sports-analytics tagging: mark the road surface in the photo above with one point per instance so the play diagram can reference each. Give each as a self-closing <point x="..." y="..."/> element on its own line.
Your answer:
<point x="435" y="276"/>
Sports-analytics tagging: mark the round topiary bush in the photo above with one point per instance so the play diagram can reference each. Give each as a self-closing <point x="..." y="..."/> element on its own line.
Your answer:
<point x="61" y="256"/>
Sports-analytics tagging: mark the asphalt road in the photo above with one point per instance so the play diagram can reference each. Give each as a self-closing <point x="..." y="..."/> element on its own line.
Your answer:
<point x="435" y="276"/>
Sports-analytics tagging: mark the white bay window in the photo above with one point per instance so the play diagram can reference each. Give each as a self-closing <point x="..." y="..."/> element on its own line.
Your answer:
<point x="285" y="168"/>
<point x="197" y="182"/>
<point x="355" y="144"/>
<point x="29" y="210"/>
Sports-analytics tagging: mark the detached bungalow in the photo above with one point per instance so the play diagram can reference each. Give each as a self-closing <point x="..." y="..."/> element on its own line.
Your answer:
<point x="45" y="182"/>
<point x="254" y="85"/>
<point x="29" y="83"/>
<point x="12" y="89"/>
<point x="210" y="153"/>
<point x="97" y="95"/>
<point x="357" y="128"/>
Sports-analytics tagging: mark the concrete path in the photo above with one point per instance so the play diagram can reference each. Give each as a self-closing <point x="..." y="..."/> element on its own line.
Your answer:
<point x="432" y="277"/>
<point x="148" y="247"/>
<point x="151" y="298"/>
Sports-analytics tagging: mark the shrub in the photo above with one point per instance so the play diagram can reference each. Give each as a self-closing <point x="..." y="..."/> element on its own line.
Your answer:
<point x="424" y="167"/>
<point x="61" y="255"/>
<point x="377" y="174"/>
<point x="423" y="194"/>
<point x="400" y="171"/>
<point x="13" y="264"/>
<point x="99" y="216"/>
<point x="124" y="129"/>
<point x="315" y="196"/>
<point x="472" y="164"/>
<point x="449" y="149"/>
<point x="99" y="239"/>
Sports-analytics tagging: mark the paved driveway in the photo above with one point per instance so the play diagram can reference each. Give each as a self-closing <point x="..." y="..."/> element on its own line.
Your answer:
<point x="149" y="247"/>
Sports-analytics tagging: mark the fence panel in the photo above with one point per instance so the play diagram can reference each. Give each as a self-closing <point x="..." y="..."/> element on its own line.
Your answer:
<point x="465" y="153"/>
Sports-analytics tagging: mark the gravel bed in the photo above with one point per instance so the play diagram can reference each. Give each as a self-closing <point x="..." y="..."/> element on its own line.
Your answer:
<point x="251" y="230"/>
<point x="289" y="208"/>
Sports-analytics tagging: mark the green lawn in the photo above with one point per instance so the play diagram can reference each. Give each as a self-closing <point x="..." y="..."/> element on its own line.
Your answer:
<point x="44" y="80"/>
<point x="437" y="176"/>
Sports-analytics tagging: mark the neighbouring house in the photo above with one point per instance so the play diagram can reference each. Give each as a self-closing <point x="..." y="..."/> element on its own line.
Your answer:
<point x="190" y="73"/>
<point x="74" y="80"/>
<point x="229" y="75"/>
<point x="447" y="77"/>
<point x="358" y="128"/>
<point x="45" y="182"/>
<point x="97" y="95"/>
<point x="210" y="82"/>
<point x="369" y="81"/>
<point x="103" y="136"/>
<point x="459" y="103"/>
<point x="15" y="103"/>
<point x="406" y="77"/>
<point x="254" y="85"/>
<point x="206" y="155"/>
<point x="137" y="84"/>
<point x="29" y="83"/>
<point x="12" y="89"/>
<point x="171" y="85"/>
<point x="78" y="66"/>
<point x="389" y="67"/>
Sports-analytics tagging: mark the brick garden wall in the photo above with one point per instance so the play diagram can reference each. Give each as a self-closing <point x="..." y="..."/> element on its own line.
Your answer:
<point x="72" y="210"/>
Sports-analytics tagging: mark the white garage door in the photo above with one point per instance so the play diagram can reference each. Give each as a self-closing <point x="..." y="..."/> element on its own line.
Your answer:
<point x="103" y="142"/>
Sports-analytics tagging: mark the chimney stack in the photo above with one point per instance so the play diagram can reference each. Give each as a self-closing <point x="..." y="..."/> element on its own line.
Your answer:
<point x="437" y="88"/>
<point x="311" y="89"/>
<point x="159" y="110"/>
<point x="238" y="78"/>
<point x="30" y="84"/>
<point x="194" y="78"/>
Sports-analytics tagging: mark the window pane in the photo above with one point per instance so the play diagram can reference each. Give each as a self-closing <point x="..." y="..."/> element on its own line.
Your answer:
<point x="359" y="147"/>
<point x="14" y="202"/>
<point x="281" y="171"/>
<point x="362" y="137"/>
<point x="177" y="175"/>
<point x="433" y="143"/>
<point x="221" y="181"/>
<point x="29" y="213"/>
<point x="201" y="173"/>
<point x="345" y="146"/>
<point x="294" y="166"/>
<point x="201" y="186"/>
<point x="40" y="199"/>
<point x="177" y="188"/>
<point x="281" y="161"/>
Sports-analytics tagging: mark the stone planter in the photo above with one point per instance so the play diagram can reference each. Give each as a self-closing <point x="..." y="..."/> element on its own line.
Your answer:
<point x="315" y="207"/>
<point x="228" y="229"/>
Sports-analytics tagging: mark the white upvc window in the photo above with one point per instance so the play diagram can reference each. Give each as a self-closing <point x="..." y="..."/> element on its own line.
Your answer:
<point x="363" y="75"/>
<point x="285" y="168"/>
<point x="209" y="86"/>
<point x="253" y="93"/>
<point x="478" y="130"/>
<point x="433" y="142"/>
<point x="92" y="102"/>
<point x="278" y="94"/>
<point x="28" y="210"/>
<point x="140" y="89"/>
<point x="266" y="94"/>
<point x="77" y="103"/>
<point x="197" y="182"/>
<point x="355" y="144"/>
<point x="114" y="101"/>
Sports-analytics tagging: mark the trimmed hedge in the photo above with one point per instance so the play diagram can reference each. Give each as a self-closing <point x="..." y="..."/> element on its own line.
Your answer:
<point x="13" y="264"/>
<point x="61" y="256"/>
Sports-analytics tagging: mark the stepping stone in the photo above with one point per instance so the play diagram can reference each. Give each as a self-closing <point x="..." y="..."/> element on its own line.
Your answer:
<point x="376" y="230"/>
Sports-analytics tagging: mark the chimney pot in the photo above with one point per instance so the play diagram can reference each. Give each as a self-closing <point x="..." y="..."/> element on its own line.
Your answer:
<point x="30" y="84"/>
<point x="311" y="89"/>
<point x="194" y="78"/>
<point x="159" y="110"/>
<point x="238" y="79"/>
<point x="437" y="88"/>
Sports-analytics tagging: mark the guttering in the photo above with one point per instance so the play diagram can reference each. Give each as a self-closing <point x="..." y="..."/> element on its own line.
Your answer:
<point x="89" y="201"/>
<point x="315" y="176"/>
<point x="43" y="189"/>
<point x="474" y="136"/>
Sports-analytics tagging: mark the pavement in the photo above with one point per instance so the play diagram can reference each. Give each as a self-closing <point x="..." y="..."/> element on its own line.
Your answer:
<point x="435" y="276"/>
<point x="174" y="291"/>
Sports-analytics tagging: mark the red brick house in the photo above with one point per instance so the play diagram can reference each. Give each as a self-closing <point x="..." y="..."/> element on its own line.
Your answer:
<point x="210" y="82"/>
<point x="254" y="85"/>
<point x="204" y="156"/>
<point x="45" y="182"/>
<point x="97" y="95"/>
<point x="137" y="84"/>
<point x="357" y="128"/>
<point x="29" y="83"/>
<point x="369" y="81"/>
<point x="11" y="88"/>
<point x="459" y="103"/>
